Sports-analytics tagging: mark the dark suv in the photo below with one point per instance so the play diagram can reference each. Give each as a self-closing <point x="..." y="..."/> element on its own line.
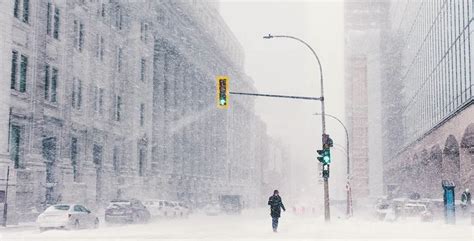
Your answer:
<point x="126" y="211"/>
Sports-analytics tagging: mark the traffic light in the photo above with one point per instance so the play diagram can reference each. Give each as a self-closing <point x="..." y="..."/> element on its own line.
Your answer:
<point x="327" y="141"/>
<point x="222" y="92"/>
<point x="325" y="171"/>
<point x="324" y="156"/>
<point x="321" y="155"/>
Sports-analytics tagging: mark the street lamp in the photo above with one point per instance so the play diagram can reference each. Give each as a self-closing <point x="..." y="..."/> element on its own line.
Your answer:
<point x="348" y="167"/>
<point x="323" y="117"/>
<point x="327" y="215"/>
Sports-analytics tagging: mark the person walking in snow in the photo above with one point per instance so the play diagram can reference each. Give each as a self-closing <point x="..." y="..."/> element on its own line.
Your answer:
<point x="466" y="200"/>
<point x="276" y="205"/>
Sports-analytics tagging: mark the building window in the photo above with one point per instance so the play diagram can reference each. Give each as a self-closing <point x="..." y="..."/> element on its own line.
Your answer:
<point x="97" y="155"/>
<point x="16" y="9"/>
<point x="50" y="83"/>
<point x="102" y="11"/>
<point x="14" y="69"/>
<point x="26" y="11"/>
<point x="100" y="48"/>
<point x="141" y="161"/>
<point x="142" y="69"/>
<point x="25" y="7"/>
<point x="118" y="108"/>
<point x="119" y="59"/>
<point x="118" y="17"/>
<point x="48" y="18"/>
<point x="142" y="114"/>
<point x="76" y="96"/>
<point x="15" y="137"/>
<point x="23" y="73"/>
<point x="14" y="83"/>
<point x="56" y="23"/>
<point x="78" y="35"/>
<point x="81" y="36"/>
<point x="99" y="100"/>
<point x="52" y="22"/>
<point x="75" y="159"/>
<point x="144" y="32"/>
<point x="116" y="159"/>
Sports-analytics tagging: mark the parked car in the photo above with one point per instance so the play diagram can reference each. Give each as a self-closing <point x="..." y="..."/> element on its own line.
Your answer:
<point x="160" y="208"/>
<point x="213" y="209"/>
<point x="180" y="209"/>
<point x="381" y="210"/>
<point x="231" y="204"/>
<point x="185" y="209"/>
<point x="419" y="211"/>
<point x="412" y="209"/>
<point x="126" y="211"/>
<point x="67" y="216"/>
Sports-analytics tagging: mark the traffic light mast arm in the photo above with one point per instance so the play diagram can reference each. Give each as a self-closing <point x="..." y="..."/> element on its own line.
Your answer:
<point x="277" y="96"/>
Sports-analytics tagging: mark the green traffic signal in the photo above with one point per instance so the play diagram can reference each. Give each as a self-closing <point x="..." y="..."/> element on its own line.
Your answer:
<point x="324" y="156"/>
<point x="327" y="156"/>
<point x="222" y="92"/>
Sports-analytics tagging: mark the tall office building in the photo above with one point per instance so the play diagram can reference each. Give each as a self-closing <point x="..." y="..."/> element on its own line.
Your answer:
<point x="429" y="86"/>
<point x="365" y="21"/>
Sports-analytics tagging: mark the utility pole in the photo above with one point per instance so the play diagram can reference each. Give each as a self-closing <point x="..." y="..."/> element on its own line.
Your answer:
<point x="327" y="214"/>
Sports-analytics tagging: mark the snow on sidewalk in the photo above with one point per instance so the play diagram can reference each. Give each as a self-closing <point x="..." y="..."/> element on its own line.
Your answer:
<point x="257" y="226"/>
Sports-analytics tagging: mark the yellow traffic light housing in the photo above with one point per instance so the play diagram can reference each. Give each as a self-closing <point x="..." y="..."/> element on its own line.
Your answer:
<point x="222" y="97"/>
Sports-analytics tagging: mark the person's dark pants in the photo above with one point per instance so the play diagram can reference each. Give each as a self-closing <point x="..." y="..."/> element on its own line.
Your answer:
<point x="274" y="223"/>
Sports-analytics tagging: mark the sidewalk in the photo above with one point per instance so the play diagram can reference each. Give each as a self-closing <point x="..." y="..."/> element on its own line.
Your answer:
<point x="18" y="227"/>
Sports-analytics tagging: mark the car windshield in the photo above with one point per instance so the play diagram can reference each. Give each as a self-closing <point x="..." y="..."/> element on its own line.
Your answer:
<point x="60" y="207"/>
<point x="383" y="206"/>
<point x="119" y="203"/>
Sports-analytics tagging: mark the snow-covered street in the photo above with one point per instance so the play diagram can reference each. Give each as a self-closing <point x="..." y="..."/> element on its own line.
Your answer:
<point x="255" y="225"/>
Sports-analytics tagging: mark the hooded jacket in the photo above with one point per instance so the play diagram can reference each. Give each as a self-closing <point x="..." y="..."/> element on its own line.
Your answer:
<point x="275" y="206"/>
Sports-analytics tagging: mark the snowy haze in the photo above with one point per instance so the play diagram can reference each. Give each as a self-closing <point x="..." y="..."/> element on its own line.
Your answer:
<point x="285" y="66"/>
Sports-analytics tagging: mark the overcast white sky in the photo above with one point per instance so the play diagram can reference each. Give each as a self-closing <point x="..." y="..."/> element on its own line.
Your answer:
<point x="285" y="66"/>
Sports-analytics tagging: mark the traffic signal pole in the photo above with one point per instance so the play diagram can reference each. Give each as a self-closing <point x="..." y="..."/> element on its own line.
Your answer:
<point x="327" y="214"/>
<point x="348" y="166"/>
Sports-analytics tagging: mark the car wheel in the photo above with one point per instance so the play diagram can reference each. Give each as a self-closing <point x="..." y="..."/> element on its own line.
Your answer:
<point x="135" y="218"/>
<point x="96" y="223"/>
<point x="76" y="224"/>
<point x="42" y="229"/>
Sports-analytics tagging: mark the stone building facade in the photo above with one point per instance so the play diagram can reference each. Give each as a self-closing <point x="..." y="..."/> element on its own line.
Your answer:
<point x="115" y="99"/>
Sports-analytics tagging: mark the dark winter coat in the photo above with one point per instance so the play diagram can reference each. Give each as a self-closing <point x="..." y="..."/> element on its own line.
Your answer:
<point x="466" y="197"/>
<point x="275" y="206"/>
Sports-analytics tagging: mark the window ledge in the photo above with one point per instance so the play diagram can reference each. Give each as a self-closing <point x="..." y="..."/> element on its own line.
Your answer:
<point x="19" y="22"/>
<point x="17" y="93"/>
<point x="53" y="105"/>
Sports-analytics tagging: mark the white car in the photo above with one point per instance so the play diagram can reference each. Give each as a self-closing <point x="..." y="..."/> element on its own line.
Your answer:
<point x="212" y="209"/>
<point x="381" y="210"/>
<point x="160" y="208"/>
<point x="67" y="216"/>
<point x="182" y="209"/>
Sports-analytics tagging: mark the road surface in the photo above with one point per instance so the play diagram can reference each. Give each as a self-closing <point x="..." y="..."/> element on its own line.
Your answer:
<point x="255" y="226"/>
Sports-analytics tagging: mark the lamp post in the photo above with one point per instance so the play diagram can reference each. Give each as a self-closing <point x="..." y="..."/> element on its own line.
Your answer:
<point x="348" y="166"/>
<point x="327" y="215"/>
